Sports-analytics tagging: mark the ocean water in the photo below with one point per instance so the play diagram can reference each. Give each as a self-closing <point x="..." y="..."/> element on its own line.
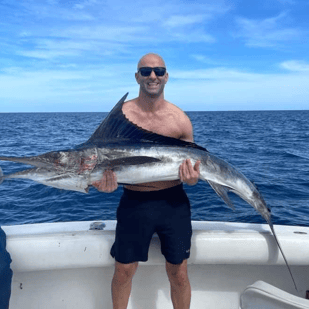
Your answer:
<point x="270" y="147"/>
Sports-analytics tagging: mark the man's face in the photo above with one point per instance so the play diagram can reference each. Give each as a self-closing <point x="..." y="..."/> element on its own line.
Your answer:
<point x="152" y="85"/>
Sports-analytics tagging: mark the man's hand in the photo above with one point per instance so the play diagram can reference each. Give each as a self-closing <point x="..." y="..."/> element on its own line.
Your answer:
<point x="108" y="183"/>
<point x="188" y="173"/>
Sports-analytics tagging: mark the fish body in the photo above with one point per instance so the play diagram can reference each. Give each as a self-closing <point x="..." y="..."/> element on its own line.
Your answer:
<point x="136" y="156"/>
<point x="133" y="164"/>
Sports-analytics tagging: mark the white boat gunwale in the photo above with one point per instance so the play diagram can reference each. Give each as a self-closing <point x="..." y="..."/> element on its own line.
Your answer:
<point x="225" y="258"/>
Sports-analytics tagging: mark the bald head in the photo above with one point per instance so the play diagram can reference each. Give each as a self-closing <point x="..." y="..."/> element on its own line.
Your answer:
<point x="151" y="58"/>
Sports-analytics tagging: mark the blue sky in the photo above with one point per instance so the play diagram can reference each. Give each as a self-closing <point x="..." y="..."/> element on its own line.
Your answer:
<point x="81" y="56"/>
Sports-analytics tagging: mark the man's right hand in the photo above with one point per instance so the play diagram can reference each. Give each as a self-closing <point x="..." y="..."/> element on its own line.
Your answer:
<point x="108" y="183"/>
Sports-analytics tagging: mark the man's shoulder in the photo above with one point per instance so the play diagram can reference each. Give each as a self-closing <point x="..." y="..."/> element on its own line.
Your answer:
<point x="183" y="122"/>
<point x="178" y="112"/>
<point x="130" y="103"/>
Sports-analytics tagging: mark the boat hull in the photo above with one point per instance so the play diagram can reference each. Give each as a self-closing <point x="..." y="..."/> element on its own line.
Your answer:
<point x="67" y="265"/>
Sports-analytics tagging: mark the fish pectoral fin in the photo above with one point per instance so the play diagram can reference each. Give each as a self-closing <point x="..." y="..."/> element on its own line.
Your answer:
<point x="125" y="161"/>
<point x="222" y="191"/>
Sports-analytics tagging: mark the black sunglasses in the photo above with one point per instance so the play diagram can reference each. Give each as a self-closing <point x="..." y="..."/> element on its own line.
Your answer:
<point x="146" y="71"/>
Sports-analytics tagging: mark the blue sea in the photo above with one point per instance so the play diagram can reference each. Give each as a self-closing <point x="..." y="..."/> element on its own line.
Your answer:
<point x="270" y="147"/>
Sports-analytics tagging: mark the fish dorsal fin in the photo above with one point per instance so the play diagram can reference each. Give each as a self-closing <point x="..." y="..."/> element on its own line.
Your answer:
<point x="116" y="128"/>
<point x="108" y="127"/>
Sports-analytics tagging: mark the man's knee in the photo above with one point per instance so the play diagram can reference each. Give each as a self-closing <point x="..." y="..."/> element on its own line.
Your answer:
<point x="124" y="272"/>
<point x="177" y="273"/>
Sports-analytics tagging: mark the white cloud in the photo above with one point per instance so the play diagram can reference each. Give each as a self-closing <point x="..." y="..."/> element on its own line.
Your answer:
<point x="51" y="10"/>
<point x="204" y="59"/>
<point x="261" y="92"/>
<point x="59" y="90"/>
<point x="194" y="36"/>
<point x="71" y="48"/>
<point x="287" y="2"/>
<point x="267" y="32"/>
<point x="219" y="73"/>
<point x="104" y="32"/>
<point x="50" y="29"/>
<point x="295" y="66"/>
<point x="86" y="51"/>
<point x="97" y="88"/>
<point x="84" y="4"/>
<point x="184" y="20"/>
<point x="47" y="54"/>
<point x="174" y="13"/>
<point x="101" y="40"/>
<point x="231" y="89"/>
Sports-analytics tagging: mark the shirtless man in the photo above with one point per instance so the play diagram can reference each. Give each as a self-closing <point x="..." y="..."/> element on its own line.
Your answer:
<point x="153" y="201"/>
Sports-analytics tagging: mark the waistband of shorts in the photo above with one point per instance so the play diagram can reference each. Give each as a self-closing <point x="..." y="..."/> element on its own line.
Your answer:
<point x="154" y="195"/>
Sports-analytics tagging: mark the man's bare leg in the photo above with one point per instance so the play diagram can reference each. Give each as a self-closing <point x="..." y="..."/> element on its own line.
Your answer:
<point x="180" y="285"/>
<point x="122" y="284"/>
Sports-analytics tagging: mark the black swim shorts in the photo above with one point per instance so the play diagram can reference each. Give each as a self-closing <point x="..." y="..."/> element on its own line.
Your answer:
<point x="140" y="214"/>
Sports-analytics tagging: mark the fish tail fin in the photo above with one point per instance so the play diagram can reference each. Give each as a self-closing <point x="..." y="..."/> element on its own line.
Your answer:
<point x="285" y="260"/>
<point x="1" y="176"/>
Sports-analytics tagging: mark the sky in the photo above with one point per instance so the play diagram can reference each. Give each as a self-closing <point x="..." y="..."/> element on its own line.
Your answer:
<point x="81" y="55"/>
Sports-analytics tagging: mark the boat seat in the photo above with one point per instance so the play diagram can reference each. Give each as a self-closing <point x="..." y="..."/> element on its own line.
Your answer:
<point x="262" y="295"/>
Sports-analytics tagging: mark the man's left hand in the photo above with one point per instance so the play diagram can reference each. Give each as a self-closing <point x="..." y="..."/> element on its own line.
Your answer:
<point x="188" y="173"/>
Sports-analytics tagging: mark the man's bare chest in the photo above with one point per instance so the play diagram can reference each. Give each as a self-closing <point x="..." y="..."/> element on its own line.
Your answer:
<point x="161" y="124"/>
